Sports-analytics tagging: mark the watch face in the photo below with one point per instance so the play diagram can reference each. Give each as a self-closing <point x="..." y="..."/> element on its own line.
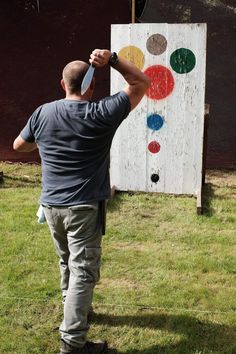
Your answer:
<point x="113" y="59"/>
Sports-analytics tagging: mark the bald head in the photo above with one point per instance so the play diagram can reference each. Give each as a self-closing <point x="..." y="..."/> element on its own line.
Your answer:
<point x="73" y="74"/>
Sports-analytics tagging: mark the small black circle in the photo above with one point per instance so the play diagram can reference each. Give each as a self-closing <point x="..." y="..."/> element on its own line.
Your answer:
<point x="155" y="178"/>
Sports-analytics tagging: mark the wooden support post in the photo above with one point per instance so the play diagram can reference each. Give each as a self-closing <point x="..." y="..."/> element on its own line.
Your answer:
<point x="133" y="11"/>
<point x="199" y="202"/>
<point x="205" y="134"/>
<point x="113" y="191"/>
<point x="204" y="153"/>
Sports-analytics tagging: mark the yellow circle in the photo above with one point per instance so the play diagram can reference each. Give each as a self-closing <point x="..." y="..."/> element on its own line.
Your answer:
<point x="133" y="54"/>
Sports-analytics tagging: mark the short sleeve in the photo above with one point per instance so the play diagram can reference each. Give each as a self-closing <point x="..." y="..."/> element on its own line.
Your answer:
<point x="28" y="132"/>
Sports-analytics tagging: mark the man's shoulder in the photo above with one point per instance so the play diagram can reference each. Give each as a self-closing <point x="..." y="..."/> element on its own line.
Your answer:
<point x="121" y="95"/>
<point x="44" y="109"/>
<point x="115" y="101"/>
<point x="110" y="110"/>
<point x="51" y="104"/>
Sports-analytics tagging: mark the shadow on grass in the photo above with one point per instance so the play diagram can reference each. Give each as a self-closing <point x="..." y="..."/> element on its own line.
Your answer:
<point x="114" y="204"/>
<point x="7" y="181"/>
<point x="208" y="196"/>
<point x="199" y="336"/>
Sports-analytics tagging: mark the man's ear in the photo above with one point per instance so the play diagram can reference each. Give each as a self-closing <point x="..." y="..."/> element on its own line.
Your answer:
<point x="63" y="85"/>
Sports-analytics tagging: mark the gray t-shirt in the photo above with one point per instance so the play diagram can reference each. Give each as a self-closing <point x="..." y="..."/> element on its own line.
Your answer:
<point x="74" y="140"/>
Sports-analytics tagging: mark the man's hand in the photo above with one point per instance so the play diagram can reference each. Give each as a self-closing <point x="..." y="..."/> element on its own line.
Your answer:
<point x="100" y="57"/>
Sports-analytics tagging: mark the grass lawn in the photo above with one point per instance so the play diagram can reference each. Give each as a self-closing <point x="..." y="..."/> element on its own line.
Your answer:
<point x="167" y="279"/>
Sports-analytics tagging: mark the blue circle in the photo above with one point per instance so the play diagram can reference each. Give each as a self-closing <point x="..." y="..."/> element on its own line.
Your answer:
<point x="155" y="121"/>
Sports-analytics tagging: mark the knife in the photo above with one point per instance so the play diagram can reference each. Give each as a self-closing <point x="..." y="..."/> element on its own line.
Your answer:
<point x="87" y="79"/>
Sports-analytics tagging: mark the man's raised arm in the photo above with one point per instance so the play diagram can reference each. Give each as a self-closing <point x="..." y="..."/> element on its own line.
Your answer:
<point x="138" y="82"/>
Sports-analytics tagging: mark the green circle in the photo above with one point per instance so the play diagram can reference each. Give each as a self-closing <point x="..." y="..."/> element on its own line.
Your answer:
<point x="182" y="60"/>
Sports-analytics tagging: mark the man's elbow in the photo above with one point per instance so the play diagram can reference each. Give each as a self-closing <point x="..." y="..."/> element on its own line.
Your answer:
<point x="16" y="145"/>
<point x="19" y="148"/>
<point x="147" y="82"/>
<point x="21" y="145"/>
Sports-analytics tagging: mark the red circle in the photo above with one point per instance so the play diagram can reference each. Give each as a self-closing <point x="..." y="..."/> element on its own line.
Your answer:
<point x="154" y="147"/>
<point x="162" y="82"/>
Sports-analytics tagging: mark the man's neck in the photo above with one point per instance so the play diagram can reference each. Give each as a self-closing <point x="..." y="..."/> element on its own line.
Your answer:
<point x="76" y="97"/>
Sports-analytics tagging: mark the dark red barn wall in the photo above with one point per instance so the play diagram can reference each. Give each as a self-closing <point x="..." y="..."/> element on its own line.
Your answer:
<point x="37" y="39"/>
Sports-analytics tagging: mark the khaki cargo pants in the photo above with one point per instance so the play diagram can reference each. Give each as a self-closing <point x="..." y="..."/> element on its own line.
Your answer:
<point x="77" y="234"/>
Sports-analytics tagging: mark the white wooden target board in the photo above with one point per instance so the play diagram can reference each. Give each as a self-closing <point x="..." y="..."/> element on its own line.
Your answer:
<point x="159" y="147"/>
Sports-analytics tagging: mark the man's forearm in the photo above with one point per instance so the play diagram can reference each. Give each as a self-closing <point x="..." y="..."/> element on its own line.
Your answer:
<point x="131" y="73"/>
<point x="138" y="82"/>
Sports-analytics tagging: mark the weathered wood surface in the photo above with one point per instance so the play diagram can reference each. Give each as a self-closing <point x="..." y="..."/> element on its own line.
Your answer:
<point x="177" y="166"/>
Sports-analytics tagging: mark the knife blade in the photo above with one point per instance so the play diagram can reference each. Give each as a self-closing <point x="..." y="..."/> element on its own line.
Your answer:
<point x="87" y="79"/>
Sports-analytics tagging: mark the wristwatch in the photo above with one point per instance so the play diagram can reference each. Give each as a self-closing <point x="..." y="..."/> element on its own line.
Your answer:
<point x="113" y="59"/>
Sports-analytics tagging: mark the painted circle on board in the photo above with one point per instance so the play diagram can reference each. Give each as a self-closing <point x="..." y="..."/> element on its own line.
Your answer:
<point x="156" y="44"/>
<point x="154" y="147"/>
<point x="134" y="55"/>
<point x="182" y="60"/>
<point x="155" y="121"/>
<point x="162" y="82"/>
<point x="155" y="177"/>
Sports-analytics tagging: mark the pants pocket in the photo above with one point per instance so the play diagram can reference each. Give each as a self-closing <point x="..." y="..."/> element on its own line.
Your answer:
<point x="92" y="263"/>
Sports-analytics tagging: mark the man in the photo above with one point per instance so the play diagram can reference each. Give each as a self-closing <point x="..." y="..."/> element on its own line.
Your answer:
<point x="74" y="137"/>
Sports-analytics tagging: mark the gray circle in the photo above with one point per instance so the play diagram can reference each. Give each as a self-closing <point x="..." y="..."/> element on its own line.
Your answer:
<point x="156" y="44"/>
